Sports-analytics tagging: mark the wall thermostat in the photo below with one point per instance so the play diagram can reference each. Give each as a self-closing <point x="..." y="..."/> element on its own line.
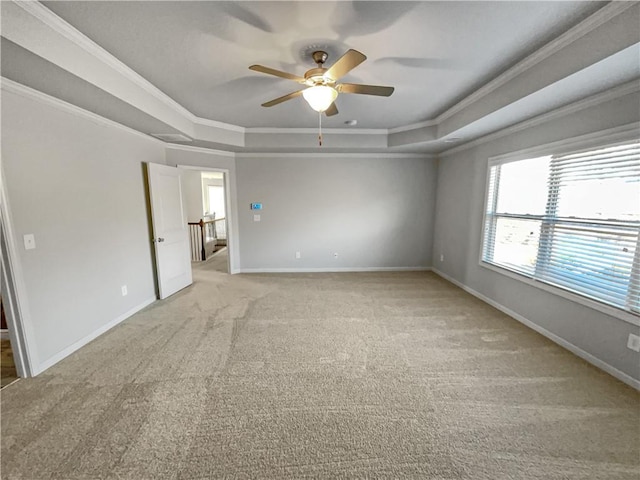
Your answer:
<point x="256" y="206"/>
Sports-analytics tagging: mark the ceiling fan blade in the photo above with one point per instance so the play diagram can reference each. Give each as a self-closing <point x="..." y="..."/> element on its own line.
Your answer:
<point x="277" y="73"/>
<point x="284" y="98"/>
<point x="332" y="110"/>
<point x="365" y="89"/>
<point x="345" y="64"/>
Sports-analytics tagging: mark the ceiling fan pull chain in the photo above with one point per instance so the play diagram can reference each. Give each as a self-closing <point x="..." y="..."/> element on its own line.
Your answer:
<point x="320" y="128"/>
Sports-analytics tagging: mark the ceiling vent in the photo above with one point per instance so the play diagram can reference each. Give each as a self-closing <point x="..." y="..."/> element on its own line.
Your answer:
<point x="171" y="137"/>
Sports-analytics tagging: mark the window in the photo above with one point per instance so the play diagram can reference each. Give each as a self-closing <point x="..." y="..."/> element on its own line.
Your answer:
<point x="216" y="200"/>
<point x="569" y="220"/>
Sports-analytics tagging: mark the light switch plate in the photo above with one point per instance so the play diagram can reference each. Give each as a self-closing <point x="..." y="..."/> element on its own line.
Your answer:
<point x="633" y="342"/>
<point x="29" y="241"/>
<point x="256" y="218"/>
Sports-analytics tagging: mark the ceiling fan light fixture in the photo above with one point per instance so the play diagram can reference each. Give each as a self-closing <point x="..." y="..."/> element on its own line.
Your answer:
<point x="320" y="97"/>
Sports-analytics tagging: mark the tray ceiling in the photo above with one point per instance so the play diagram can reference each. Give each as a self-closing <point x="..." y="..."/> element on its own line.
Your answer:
<point x="434" y="53"/>
<point x="461" y="70"/>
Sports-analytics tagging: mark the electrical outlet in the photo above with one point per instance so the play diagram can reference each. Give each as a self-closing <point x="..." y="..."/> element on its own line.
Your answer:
<point x="442" y="257"/>
<point x="124" y="290"/>
<point x="634" y="342"/>
<point x="297" y="254"/>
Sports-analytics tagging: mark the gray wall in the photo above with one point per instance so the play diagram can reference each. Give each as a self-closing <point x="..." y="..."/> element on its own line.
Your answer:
<point x="79" y="186"/>
<point x="374" y="212"/>
<point x="458" y="227"/>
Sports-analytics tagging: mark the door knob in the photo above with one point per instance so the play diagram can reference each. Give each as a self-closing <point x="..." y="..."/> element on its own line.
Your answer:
<point x="160" y="240"/>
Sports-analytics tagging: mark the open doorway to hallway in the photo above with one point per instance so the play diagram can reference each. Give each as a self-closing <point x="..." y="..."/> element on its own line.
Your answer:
<point x="8" y="372"/>
<point x="206" y="207"/>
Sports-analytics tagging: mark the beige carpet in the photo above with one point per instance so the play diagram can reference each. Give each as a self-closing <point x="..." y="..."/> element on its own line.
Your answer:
<point x="363" y="375"/>
<point x="8" y="373"/>
<point x="218" y="261"/>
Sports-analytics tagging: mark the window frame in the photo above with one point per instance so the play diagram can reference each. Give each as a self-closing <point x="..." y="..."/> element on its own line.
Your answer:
<point x="624" y="133"/>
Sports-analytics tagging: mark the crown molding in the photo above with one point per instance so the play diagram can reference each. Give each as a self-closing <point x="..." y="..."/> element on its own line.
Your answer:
<point x="10" y="86"/>
<point x="30" y="93"/>
<point x="589" y="24"/>
<point x="617" y="92"/>
<point x="413" y="126"/>
<point x="208" y="151"/>
<point x="610" y="135"/>
<point x="46" y="16"/>
<point x="216" y="124"/>
<point x="423" y="156"/>
<point x="333" y="131"/>
<point x="60" y="26"/>
<point x="592" y="101"/>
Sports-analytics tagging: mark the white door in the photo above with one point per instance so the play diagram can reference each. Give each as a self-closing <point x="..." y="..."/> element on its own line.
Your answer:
<point x="170" y="229"/>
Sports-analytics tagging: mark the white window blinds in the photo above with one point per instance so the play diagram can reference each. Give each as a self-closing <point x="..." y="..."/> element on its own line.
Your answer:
<point x="571" y="221"/>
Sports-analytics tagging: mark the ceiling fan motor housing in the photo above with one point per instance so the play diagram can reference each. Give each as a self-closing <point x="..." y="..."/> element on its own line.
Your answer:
<point x="319" y="57"/>
<point x="316" y="76"/>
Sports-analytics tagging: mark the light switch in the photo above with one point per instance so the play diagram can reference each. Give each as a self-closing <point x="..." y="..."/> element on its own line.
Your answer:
<point x="256" y="218"/>
<point x="29" y="241"/>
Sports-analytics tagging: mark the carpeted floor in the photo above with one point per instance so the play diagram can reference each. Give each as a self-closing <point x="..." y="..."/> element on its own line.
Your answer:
<point x="8" y="373"/>
<point x="363" y="375"/>
<point x="218" y="261"/>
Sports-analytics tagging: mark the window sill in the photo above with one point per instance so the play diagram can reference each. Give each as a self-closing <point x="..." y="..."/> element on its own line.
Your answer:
<point x="567" y="294"/>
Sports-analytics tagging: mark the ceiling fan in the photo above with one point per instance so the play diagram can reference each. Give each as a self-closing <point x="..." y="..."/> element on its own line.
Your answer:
<point x="322" y="88"/>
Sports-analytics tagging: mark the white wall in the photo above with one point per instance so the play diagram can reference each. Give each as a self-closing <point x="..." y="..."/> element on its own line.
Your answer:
<point x="212" y="182"/>
<point x="374" y="212"/>
<point x="79" y="186"/>
<point x="458" y="227"/>
<point x="192" y="193"/>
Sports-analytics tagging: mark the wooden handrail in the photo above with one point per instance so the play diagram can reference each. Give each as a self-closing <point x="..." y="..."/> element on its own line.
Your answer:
<point x="203" y="222"/>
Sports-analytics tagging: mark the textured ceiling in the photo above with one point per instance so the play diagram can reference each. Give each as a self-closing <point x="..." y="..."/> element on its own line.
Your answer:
<point x="434" y="53"/>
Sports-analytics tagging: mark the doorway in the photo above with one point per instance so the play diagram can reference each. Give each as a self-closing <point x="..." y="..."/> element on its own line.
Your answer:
<point x="206" y="196"/>
<point x="16" y="319"/>
<point x="8" y="371"/>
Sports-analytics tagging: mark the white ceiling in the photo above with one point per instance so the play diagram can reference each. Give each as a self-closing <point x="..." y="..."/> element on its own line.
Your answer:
<point x="460" y="69"/>
<point x="433" y="53"/>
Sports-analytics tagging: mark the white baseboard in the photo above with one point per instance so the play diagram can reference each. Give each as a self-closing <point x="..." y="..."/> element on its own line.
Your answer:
<point x="620" y="375"/>
<point x="334" y="270"/>
<point x="4" y="334"/>
<point x="93" y="335"/>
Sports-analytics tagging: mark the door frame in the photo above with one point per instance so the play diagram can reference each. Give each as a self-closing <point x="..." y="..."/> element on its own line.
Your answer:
<point x="233" y="246"/>
<point x="14" y="297"/>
